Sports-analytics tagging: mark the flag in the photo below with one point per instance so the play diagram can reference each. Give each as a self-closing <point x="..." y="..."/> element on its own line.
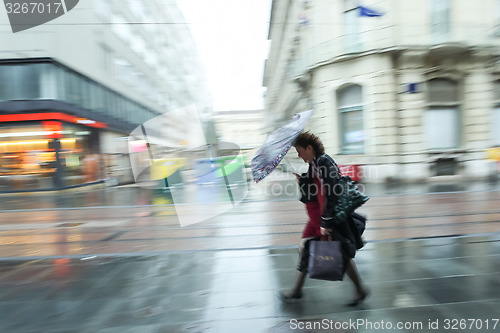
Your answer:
<point x="303" y="20"/>
<point x="368" y="12"/>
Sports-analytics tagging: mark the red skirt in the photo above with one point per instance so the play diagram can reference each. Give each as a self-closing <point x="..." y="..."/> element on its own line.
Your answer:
<point x="313" y="225"/>
<point x="314" y="211"/>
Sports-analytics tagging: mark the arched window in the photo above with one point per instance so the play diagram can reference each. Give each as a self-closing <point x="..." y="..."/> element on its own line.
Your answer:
<point x="350" y="104"/>
<point x="441" y="120"/>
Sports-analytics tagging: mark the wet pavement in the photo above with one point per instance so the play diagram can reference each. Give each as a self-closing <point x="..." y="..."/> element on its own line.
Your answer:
<point x="87" y="224"/>
<point x="421" y="282"/>
<point x="118" y="260"/>
<point x="274" y="188"/>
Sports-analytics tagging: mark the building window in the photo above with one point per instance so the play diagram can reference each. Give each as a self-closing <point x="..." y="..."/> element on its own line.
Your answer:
<point x="28" y="81"/>
<point x="20" y="82"/>
<point x="50" y="81"/>
<point x="350" y="103"/>
<point x="495" y="121"/>
<point x="440" y="20"/>
<point x="352" y="27"/>
<point x="124" y="71"/>
<point x="106" y="59"/>
<point x="7" y="89"/>
<point x="441" y="120"/>
<point x="495" y="126"/>
<point x="73" y="88"/>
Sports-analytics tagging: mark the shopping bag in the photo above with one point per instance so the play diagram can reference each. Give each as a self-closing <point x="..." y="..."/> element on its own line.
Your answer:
<point x="326" y="261"/>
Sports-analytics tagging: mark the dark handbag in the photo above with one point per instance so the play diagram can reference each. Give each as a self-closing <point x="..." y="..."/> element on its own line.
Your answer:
<point x="349" y="199"/>
<point x="326" y="261"/>
<point x="359" y="222"/>
<point x="357" y="229"/>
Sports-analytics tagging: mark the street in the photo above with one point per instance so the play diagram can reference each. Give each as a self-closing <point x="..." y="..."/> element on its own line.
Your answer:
<point x="117" y="260"/>
<point x="132" y="219"/>
<point x="151" y="154"/>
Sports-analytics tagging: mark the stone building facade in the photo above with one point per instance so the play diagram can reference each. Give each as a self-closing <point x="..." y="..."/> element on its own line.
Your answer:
<point x="407" y="89"/>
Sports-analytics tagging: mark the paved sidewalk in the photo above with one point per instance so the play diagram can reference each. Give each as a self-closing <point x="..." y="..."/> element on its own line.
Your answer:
<point x="430" y="282"/>
<point x="118" y="261"/>
<point x="39" y="233"/>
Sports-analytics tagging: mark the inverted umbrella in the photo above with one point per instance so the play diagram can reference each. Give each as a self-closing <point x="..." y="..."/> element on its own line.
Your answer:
<point x="276" y="145"/>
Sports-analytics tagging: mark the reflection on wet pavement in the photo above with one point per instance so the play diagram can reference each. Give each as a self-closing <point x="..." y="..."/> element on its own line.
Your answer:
<point x="268" y="190"/>
<point x="155" y="228"/>
<point x="229" y="291"/>
<point x="118" y="260"/>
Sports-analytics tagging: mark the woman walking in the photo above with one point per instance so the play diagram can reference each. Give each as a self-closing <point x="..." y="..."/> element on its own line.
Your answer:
<point x="318" y="193"/>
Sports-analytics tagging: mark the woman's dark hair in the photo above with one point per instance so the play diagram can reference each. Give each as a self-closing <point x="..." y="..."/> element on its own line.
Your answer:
<point x="306" y="138"/>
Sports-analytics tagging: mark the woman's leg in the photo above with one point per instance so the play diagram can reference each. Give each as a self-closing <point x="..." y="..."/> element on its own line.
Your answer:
<point x="352" y="272"/>
<point x="300" y="278"/>
<point x="296" y="291"/>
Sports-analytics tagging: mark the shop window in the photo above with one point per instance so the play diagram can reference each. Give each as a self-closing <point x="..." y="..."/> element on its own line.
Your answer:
<point x="441" y="120"/>
<point x="26" y="163"/>
<point x="350" y="102"/>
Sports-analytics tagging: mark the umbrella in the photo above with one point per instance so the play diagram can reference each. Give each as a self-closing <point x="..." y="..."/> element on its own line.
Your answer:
<point x="276" y="145"/>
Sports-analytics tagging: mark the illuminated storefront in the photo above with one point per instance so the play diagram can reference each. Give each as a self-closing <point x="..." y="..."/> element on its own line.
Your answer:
<point x="47" y="150"/>
<point x="54" y="122"/>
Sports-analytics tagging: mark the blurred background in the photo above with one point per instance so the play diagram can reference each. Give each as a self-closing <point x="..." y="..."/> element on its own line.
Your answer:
<point x="407" y="90"/>
<point x="127" y="129"/>
<point x="402" y="91"/>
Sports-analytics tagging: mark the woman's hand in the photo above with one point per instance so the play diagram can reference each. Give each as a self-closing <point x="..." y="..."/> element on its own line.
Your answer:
<point x="325" y="232"/>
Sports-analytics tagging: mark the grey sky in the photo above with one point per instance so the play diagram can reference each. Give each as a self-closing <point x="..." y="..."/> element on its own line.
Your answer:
<point x="232" y="40"/>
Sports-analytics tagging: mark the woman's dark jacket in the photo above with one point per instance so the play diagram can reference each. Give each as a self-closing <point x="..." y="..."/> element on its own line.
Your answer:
<point x="345" y="232"/>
